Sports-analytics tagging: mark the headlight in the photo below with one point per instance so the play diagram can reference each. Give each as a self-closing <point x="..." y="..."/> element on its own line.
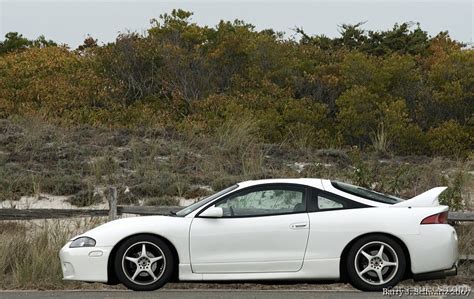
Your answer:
<point x="82" y="242"/>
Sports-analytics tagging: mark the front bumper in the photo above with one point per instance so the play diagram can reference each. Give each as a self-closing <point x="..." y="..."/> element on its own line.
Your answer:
<point x="85" y="264"/>
<point x="436" y="274"/>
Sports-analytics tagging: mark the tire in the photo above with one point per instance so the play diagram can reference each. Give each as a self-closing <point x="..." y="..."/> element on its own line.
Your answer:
<point x="365" y="263"/>
<point x="144" y="270"/>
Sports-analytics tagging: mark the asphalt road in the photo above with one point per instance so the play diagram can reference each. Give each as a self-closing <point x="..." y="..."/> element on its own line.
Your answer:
<point x="192" y="294"/>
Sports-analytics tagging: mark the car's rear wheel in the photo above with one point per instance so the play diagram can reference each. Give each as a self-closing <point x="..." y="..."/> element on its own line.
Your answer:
<point x="144" y="263"/>
<point x="375" y="262"/>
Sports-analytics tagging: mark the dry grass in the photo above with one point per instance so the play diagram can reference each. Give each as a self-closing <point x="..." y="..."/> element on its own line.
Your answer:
<point x="380" y="140"/>
<point x="29" y="252"/>
<point x="465" y="233"/>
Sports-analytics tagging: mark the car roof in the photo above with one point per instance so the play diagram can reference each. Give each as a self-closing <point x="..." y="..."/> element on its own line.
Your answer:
<point x="313" y="182"/>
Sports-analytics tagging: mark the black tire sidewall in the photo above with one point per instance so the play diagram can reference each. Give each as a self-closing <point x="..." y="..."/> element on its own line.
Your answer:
<point x="169" y="269"/>
<point x="354" y="278"/>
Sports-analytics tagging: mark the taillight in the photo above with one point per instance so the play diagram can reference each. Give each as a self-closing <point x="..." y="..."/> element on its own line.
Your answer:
<point x="441" y="218"/>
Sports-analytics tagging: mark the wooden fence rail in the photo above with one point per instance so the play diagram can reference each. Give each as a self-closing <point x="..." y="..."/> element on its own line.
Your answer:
<point x="461" y="216"/>
<point x="29" y="214"/>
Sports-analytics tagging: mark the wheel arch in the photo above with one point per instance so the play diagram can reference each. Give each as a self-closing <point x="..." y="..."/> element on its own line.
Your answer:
<point x="342" y="263"/>
<point x="111" y="275"/>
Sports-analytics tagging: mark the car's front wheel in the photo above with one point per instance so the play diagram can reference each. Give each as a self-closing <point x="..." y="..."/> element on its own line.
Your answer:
<point x="144" y="263"/>
<point x="376" y="262"/>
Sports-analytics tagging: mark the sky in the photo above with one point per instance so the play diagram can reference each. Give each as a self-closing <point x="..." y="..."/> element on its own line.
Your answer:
<point x="71" y="21"/>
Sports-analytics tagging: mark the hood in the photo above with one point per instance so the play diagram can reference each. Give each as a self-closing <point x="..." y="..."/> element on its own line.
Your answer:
<point x="426" y="199"/>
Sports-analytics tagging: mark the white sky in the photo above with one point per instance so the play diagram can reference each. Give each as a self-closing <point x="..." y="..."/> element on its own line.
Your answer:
<point x="70" y="21"/>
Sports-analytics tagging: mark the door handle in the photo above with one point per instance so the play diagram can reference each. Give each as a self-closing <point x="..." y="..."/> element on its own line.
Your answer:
<point x="300" y="225"/>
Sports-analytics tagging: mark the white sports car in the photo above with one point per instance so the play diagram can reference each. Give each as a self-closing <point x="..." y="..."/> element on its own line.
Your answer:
<point x="279" y="229"/>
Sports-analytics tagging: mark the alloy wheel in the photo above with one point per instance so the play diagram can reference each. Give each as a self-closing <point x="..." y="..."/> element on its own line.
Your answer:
<point x="376" y="263"/>
<point x="143" y="263"/>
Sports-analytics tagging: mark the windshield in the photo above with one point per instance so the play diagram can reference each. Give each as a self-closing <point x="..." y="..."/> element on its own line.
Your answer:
<point x="197" y="205"/>
<point x="366" y="193"/>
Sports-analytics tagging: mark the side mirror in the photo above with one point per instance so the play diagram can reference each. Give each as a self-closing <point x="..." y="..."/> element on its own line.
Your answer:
<point x="213" y="212"/>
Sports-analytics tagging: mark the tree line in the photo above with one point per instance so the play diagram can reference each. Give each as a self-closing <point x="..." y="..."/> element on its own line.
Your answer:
<point x="400" y="91"/>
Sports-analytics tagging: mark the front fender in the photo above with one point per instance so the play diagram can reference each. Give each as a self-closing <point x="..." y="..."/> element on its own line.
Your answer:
<point x="174" y="229"/>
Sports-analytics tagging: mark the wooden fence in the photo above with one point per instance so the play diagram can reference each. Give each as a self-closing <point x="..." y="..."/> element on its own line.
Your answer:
<point x="30" y="214"/>
<point x="113" y="212"/>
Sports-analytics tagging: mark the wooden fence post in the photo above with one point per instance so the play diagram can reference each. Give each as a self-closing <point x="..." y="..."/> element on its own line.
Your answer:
<point x="112" y="199"/>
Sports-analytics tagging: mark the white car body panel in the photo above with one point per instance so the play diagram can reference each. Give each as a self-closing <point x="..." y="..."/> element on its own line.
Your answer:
<point x="269" y="247"/>
<point x="77" y="264"/>
<point x="222" y="245"/>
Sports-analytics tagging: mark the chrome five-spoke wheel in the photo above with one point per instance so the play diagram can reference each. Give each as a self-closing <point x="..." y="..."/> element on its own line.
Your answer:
<point x="375" y="262"/>
<point x="144" y="263"/>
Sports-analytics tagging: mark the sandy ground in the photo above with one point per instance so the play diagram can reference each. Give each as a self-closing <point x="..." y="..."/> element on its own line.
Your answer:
<point x="46" y="201"/>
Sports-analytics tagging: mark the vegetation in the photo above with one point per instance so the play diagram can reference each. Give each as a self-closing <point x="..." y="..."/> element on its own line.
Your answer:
<point x="23" y="266"/>
<point x="15" y="42"/>
<point x="398" y="91"/>
<point x="156" y="166"/>
<point x="185" y="110"/>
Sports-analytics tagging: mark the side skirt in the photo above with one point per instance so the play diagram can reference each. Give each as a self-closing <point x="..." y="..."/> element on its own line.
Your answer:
<point x="323" y="269"/>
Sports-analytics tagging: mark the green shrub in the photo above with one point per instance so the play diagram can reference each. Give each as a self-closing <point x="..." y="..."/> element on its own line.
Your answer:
<point x="181" y="77"/>
<point x="62" y="184"/>
<point x="362" y="174"/>
<point x="49" y="83"/>
<point x="161" y="201"/>
<point x="15" y="182"/>
<point x="85" y="198"/>
<point x="452" y="197"/>
<point x="450" y="139"/>
<point x="411" y="141"/>
<point x="357" y="115"/>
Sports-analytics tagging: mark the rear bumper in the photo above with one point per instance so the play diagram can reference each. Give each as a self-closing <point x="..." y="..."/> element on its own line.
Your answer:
<point x="436" y="274"/>
<point x="434" y="249"/>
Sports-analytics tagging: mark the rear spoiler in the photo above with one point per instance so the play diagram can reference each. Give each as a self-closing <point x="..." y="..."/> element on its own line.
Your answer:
<point x="426" y="199"/>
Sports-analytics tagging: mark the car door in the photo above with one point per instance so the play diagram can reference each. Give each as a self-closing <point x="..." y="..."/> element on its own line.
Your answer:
<point x="330" y="219"/>
<point x="263" y="229"/>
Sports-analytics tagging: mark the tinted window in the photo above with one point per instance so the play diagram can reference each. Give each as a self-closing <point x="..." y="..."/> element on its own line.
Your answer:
<point x="260" y="202"/>
<point x="326" y="203"/>
<point x="366" y="193"/>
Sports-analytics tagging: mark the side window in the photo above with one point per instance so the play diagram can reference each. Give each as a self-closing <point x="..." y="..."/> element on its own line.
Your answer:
<point x="264" y="202"/>
<point x="327" y="203"/>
